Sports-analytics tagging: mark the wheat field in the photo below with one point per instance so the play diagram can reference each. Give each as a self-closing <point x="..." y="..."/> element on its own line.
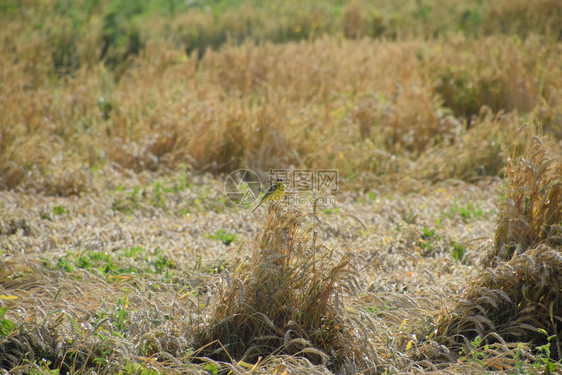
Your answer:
<point x="122" y="252"/>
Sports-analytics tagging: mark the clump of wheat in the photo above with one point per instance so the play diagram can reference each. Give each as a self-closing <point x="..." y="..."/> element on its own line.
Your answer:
<point x="518" y="300"/>
<point x="283" y="301"/>
<point x="532" y="211"/>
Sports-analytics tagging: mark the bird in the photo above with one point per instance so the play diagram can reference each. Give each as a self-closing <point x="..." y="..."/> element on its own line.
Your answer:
<point x="274" y="193"/>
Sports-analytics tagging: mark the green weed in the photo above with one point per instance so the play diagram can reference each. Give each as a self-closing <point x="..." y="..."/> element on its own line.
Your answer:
<point x="458" y="251"/>
<point x="159" y="194"/>
<point x="126" y="202"/>
<point x="218" y="266"/>
<point x="6" y="325"/>
<point x="427" y="241"/>
<point x="211" y="368"/>
<point x="41" y="368"/>
<point x="59" y="210"/>
<point x="132" y="368"/>
<point x="427" y="233"/>
<point x="116" y="316"/>
<point x="467" y="213"/>
<point x="223" y="235"/>
<point x="133" y="252"/>
<point x="161" y="263"/>
<point x="65" y="264"/>
<point x="543" y="362"/>
<point x="475" y="352"/>
<point x="111" y="265"/>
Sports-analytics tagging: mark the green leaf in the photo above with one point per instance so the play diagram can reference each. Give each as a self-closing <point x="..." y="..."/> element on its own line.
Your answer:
<point x="6" y="326"/>
<point x="427" y="233"/>
<point x="122" y="315"/>
<point x="550" y="367"/>
<point x="211" y="368"/>
<point x="223" y="235"/>
<point x="458" y="251"/>
<point x="59" y="210"/>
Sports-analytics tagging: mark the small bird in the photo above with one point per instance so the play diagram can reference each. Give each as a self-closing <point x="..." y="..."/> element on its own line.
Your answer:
<point x="275" y="192"/>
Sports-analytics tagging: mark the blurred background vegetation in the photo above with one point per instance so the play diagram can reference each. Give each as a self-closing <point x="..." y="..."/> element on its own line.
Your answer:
<point x="395" y="86"/>
<point x="76" y="33"/>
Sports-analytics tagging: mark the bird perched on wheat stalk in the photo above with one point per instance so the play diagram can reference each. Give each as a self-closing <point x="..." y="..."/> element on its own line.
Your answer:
<point x="273" y="194"/>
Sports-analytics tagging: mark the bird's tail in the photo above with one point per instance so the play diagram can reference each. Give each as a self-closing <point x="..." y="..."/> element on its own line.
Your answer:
<point x="259" y="204"/>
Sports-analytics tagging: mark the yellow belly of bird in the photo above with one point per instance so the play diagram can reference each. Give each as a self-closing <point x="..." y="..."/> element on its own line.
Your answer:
<point x="275" y="196"/>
